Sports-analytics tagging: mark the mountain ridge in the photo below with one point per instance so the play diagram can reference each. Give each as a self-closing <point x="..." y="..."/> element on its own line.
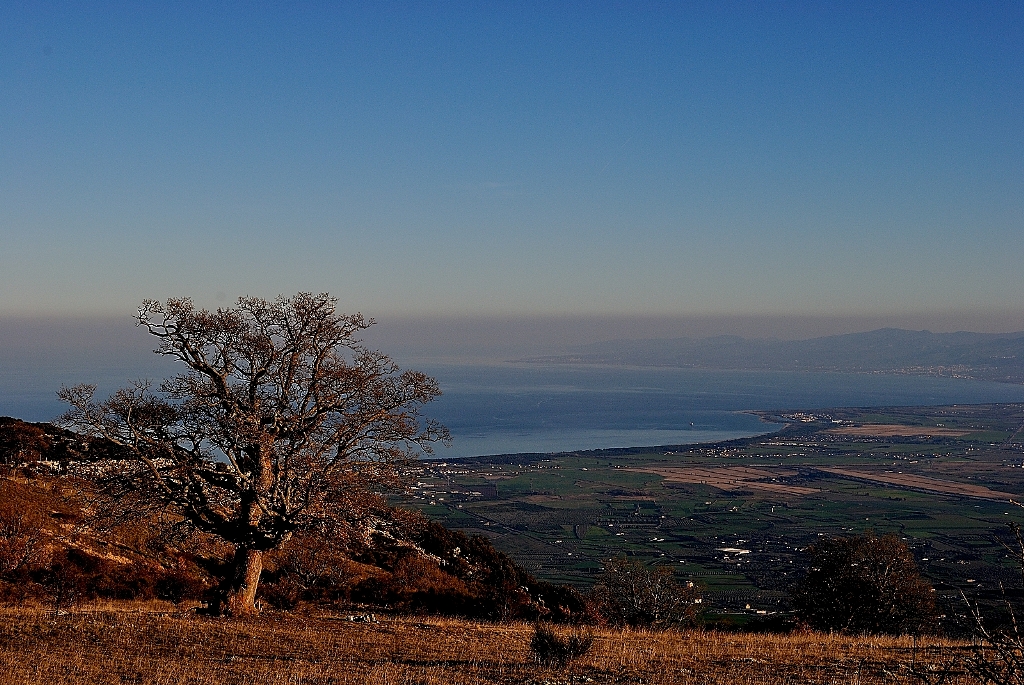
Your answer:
<point x="962" y="354"/>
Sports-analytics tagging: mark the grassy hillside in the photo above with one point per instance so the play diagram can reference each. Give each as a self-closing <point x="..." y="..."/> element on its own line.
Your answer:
<point x="132" y="645"/>
<point x="64" y="540"/>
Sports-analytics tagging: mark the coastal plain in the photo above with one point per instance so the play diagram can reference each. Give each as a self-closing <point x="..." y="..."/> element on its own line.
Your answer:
<point x="737" y="517"/>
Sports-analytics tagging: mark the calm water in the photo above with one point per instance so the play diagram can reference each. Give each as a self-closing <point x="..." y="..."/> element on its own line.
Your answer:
<point x="525" y="408"/>
<point x="507" y="409"/>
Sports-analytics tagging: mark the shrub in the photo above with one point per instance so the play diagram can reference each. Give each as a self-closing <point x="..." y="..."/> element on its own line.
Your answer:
<point x="551" y="649"/>
<point x="562" y="603"/>
<point x="178" y="585"/>
<point x="63" y="581"/>
<point x="418" y="585"/>
<point x="308" y="568"/>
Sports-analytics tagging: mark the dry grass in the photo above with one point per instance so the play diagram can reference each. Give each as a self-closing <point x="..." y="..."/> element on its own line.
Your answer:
<point x="143" y="646"/>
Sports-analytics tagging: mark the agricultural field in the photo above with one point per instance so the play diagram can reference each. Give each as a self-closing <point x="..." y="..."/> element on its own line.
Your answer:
<point x="735" y="517"/>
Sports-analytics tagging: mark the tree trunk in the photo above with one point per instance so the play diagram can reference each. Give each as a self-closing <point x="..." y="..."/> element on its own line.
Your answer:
<point x="240" y="599"/>
<point x="241" y="592"/>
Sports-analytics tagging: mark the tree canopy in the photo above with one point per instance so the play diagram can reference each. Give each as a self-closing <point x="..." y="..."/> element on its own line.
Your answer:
<point x="280" y="421"/>
<point x="864" y="584"/>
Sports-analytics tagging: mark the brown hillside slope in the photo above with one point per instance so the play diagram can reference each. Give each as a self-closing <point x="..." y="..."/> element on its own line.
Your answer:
<point x="62" y="539"/>
<point x="108" y="647"/>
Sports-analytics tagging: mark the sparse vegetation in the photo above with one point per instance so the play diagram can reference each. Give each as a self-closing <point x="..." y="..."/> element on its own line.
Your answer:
<point x="59" y="547"/>
<point x="153" y="644"/>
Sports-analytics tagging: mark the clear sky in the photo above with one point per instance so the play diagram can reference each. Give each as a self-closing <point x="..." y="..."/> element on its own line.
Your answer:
<point x="515" y="158"/>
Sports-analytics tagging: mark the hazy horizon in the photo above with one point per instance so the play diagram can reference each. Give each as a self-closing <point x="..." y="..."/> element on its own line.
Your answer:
<point x="493" y="406"/>
<point x="109" y="342"/>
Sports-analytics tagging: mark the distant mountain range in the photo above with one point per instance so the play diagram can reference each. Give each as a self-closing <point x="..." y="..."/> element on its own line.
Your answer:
<point x="982" y="356"/>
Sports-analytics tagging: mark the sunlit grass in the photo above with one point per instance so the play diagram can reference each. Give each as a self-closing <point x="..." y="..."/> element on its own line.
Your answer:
<point x="140" y="644"/>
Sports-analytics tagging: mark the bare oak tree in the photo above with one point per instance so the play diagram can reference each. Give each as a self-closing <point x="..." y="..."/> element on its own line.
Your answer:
<point x="281" y="421"/>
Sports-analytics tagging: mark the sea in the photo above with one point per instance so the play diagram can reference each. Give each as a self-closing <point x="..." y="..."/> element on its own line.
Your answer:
<point x="506" y="408"/>
<point x="527" y="408"/>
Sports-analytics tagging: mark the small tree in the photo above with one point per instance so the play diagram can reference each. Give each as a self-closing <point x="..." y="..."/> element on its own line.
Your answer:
<point x="634" y="594"/>
<point x="281" y="422"/>
<point x="864" y="584"/>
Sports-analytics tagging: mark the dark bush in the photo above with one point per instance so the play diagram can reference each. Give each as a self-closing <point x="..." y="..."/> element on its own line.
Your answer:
<point x="281" y="593"/>
<point x="308" y="568"/>
<point x="417" y="585"/>
<point x="73" y="574"/>
<point x="178" y="585"/>
<point x="561" y="603"/>
<point x="551" y="649"/>
<point x="63" y="581"/>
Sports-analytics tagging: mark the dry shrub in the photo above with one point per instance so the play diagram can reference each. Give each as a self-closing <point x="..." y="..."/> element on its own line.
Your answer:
<point x="23" y="541"/>
<point x="308" y="568"/>
<point x="551" y="649"/>
<point x="418" y="585"/>
<point x="180" y="584"/>
<point x="21" y="530"/>
<point x="73" y="574"/>
<point x="428" y="588"/>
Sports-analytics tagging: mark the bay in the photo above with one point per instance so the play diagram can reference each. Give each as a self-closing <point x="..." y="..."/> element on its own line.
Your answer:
<point x="519" y="408"/>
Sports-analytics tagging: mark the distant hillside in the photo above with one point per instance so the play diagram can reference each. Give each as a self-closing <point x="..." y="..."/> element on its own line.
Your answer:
<point x="983" y="356"/>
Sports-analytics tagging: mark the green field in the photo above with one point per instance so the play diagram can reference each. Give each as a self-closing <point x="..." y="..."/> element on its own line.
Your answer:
<point x="560" y="515"/>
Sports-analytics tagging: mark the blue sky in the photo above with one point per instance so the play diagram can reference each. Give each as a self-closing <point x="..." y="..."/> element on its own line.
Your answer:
<point x="516" y="159"/>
